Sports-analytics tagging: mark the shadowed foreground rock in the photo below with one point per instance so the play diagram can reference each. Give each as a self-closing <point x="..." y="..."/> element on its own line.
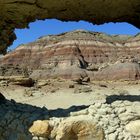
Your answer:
<point x="2" y="99"/>
<point x="100" y="121"/>
<point x="19" y="13"/>
<point x="16" y="118"/>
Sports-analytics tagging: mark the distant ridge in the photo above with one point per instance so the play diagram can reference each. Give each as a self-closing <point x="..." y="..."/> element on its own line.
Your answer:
<point x="79" y="53"/>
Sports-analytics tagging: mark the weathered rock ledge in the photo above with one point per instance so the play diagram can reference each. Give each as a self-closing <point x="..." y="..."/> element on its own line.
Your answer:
<point x="19" y="13"/>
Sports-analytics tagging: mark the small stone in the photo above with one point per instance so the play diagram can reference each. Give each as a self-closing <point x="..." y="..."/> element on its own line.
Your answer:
<point x="83" y="89"/>
<point x="87" y="89"/>
<point x="102" y="112"/>
<point x="97" y="117"/>
<point x="98" y="105"/>
<point x="86" y="79"/>
<point x="82" y="112"/>
<point x="128" y="103"/>
<point x="92" y="111"/>
<point x="120" y="136"/>
<point x="117" y="103"/>
<point x="113" y="115"/>
<point x="113" y="122"/>
<point x="28" y="93"/>
<point x="111" y="130"/>
<point x="71" y="86"/>
<point x="112" y="136"/>
<point x="106" y="121"/>
<point x="121" y="110"/>
<point x="123" y="92"/>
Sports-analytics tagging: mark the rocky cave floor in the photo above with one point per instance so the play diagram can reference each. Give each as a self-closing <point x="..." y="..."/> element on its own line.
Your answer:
<point x="112" y="107"/>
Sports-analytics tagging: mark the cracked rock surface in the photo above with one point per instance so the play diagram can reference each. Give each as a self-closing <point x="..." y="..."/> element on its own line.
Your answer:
<point x="19" y="13"/>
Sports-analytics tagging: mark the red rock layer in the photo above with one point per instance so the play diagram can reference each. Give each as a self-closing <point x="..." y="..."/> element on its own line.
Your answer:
<point x="79" y="53"/>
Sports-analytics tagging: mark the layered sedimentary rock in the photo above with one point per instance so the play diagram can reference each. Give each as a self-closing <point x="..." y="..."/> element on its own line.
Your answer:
<point x="79" y="54"/>
<point x="117" y="71"/>
<point x="19" y="13"/>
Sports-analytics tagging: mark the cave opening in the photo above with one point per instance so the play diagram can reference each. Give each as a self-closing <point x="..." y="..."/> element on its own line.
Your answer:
<point x="52" y="27"/>
<point x="34" y="99"/>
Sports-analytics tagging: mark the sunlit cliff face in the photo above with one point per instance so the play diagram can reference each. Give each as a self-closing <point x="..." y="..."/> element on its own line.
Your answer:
<point x="19" y="13"/>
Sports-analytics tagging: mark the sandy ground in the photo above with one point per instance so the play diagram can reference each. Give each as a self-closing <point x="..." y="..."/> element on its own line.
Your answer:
<point x="64" y="97"/>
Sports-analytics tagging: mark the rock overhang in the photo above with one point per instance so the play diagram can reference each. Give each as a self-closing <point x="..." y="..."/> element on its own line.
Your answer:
<point x="19" y="13"/>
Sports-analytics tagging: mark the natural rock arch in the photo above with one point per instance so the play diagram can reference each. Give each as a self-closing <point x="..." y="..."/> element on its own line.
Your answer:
<point x="19" y="13"/>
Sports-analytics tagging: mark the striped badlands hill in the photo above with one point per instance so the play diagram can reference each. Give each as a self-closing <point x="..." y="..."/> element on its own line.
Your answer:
<point x="79" y="54"/>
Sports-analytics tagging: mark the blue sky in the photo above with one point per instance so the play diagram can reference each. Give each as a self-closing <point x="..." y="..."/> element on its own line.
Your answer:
<point x="41" y="28"/>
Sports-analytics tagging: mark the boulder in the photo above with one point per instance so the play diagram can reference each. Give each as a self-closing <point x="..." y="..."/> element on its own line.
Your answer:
<point x="41" y="128"/>
<point x="119" y="71"/>
<point x="18" y="80"/>
<point x="42" y="83"/>
<point x="79" y="129"/>
<point x="23" y="81"/>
